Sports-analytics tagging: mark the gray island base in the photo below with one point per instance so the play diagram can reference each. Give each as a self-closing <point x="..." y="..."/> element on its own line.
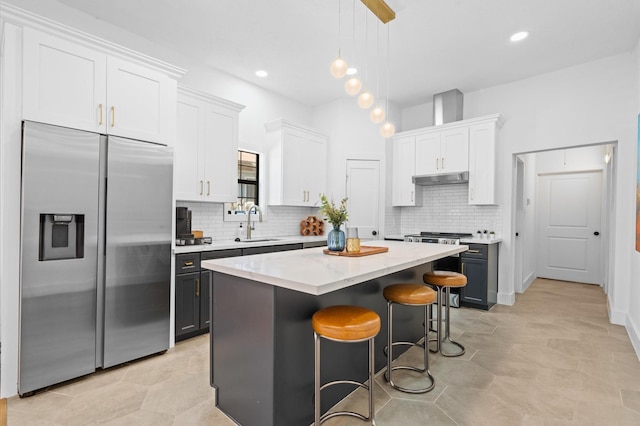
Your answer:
<point x="261" y="337"/>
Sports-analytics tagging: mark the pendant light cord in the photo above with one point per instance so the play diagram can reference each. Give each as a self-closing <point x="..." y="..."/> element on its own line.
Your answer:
<point x="388" y="79"/>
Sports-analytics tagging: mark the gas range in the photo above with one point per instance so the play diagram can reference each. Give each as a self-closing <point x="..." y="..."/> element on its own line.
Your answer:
<point x="437" y="237"/>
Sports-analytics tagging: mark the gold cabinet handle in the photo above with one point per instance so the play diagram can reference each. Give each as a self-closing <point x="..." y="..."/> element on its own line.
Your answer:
<point x="197" y="287"/>
<point x="187" y="264"/>
<point x="100" y="108"/>
<point x="208" y="187"/>
<point x="473" y="251"/>
<point x="412" y="196"/>
<point x="443" y="164"/>
<point x="201" y="187"/>
<point x="113" y="116"/>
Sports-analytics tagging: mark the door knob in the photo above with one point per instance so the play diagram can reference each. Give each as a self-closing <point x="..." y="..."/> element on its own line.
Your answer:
<point x="596" y="233"/>
<point x="374" y="233"/>
<point x="517" y="233"/>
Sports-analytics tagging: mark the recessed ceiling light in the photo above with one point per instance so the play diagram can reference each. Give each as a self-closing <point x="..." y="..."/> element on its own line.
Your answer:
<point x="352" y="71"/>
<point x="262" y="73"/>
<point x="519" y="36"/>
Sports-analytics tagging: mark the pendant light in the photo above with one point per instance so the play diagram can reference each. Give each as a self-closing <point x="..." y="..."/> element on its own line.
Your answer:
<point x="339" y="66"/>
<point x="365" y="100"/>
<point x="353" y="84"/>
<point x="388" y="129"/>
<point x="377" y="113"/>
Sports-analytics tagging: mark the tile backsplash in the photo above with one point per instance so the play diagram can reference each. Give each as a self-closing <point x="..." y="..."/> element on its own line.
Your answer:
<point x="445" y="208"/>
<point x="279" y="221"/>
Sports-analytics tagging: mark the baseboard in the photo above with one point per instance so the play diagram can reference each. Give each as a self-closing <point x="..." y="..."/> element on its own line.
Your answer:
<point x="634" y="334"/>
<point x="506" y="298"/>
<point x="528" y="282"/>
<point x="615" y="317"/>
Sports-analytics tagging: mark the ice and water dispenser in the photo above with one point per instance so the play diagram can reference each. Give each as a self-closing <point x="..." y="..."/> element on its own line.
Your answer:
<point x="61" y="236"/>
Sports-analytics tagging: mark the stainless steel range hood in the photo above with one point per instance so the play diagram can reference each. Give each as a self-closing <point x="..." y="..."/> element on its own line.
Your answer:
<point x="441" y="179"/>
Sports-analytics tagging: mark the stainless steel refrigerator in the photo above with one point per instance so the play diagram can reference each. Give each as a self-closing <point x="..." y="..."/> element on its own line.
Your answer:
<point x="95" y="252"/>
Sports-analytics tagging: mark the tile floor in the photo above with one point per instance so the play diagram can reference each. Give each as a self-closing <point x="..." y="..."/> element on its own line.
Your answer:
<point x="550" y="359"/>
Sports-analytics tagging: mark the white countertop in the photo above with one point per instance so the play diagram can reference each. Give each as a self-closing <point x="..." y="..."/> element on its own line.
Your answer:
<point x="313" y="272"/>
<point x="259" y="242"/>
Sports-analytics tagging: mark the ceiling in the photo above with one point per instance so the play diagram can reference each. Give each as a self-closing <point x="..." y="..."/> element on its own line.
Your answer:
<point x="435" y="45"/>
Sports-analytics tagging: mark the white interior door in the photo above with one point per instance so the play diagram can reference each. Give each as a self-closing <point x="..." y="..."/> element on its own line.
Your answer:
<point x="363" y="188"/>
<point x="569" y="227"/>
<point x="519" y="250"/>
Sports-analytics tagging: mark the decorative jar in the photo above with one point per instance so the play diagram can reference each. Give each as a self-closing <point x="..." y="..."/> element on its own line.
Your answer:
<point x="336" y="239"/>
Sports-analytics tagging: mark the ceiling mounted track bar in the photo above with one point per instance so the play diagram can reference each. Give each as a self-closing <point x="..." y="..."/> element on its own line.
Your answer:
<point x="380" y="9"/>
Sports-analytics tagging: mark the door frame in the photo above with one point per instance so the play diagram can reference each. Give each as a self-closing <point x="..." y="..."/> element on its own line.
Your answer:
<point x="609" y="199"/>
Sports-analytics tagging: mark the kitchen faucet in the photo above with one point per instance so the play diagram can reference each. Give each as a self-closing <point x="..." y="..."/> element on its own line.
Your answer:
<point x="249" y="228"/>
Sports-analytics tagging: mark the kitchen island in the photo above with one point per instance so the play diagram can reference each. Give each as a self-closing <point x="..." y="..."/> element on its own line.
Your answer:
<point x="261" y="335"/>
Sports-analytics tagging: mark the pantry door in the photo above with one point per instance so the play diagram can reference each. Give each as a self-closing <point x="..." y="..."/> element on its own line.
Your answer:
<point x="569" y="244"/>
<point x="363" y="189"/>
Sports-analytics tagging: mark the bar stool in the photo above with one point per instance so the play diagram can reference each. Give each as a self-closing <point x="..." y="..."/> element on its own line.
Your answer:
<point x="443" y="281"/>
<point x="409" y="295"/>
<point x="348" y="324"/>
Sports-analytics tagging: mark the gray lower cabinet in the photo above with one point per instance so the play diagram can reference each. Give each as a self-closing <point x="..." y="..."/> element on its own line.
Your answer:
<point x="480" y="265"/>
<point x="193" y="286"/>
<point x="193" y="292"/>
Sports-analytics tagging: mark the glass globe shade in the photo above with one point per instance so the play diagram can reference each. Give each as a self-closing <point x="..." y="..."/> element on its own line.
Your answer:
<point x="353" y="86"/>
<point x="387" y="130"/>
<point x="338" y="67"/>
<point x="365" y="100"/>
<point x="377" y="114"/>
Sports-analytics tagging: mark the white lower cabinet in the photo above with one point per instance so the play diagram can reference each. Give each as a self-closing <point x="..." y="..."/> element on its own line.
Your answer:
<point x="206" y="148"/>
<point x="297" y="164"/>
<point x="77" y="85"/>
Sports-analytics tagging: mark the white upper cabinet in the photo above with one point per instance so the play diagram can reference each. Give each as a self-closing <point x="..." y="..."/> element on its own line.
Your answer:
<point x="444" y="151"/>
<point x="483" y="143"/>
<point x="206" y="148"/>
<point x="77" y="85"/>
<point x="404" y="167"/>
<point x="466" y="145"/>
<point x="297" y="163"/>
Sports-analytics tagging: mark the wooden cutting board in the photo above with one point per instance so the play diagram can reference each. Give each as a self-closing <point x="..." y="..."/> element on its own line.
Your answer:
<point x="364" y="251"/>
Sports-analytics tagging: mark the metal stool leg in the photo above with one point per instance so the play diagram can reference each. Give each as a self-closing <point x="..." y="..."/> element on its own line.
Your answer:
<point x="447" y="336"/>
<point x="424" y="346"/>
<point x="318" y="417"/>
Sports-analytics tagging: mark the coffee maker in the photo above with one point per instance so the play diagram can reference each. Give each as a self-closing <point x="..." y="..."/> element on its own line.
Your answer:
<point x="183" y="227"/>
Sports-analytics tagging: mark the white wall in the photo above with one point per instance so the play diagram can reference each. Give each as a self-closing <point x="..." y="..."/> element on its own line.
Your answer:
<point x="592" y="103"/>
<point x="633" y="319"/>
<point x="587" y="104"/>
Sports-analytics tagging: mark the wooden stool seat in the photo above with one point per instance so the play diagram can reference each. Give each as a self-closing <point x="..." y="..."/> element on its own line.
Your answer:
<point x="445" y="279"/>
<point x="409" y="294"/>
<point x="348" y="323"/>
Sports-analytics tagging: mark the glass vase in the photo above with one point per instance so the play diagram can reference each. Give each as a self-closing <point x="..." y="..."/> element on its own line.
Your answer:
<point x="336" y="239"/>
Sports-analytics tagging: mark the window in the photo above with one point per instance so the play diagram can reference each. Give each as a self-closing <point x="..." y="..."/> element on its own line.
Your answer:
<point x="248" y="186"/>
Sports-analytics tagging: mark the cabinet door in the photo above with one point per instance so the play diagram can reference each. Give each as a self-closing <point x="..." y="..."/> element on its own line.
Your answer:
<point x="315" y="169"/>
<point x="454" y="150"/>
<point x="138" y="101"/>
<point x="404" y="191"/>
<point x="476" y="289"/>
<point x="205" y="299"/>
<point x="294" y="160"/>
<point x="188" y="160"/>
<point x="187" y="309"/>
<point x="220" y="153"/>
<point x="427" y="156"/>
<point x="482" y="164"/>
<point x="63" y="83"/>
